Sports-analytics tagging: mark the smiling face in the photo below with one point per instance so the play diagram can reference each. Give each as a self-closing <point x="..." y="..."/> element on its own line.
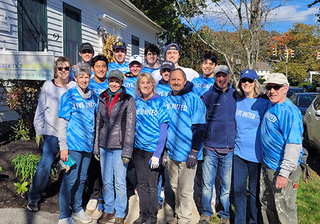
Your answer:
<point x="247" y="86"/>
<point x="173" y="56"/>
<point x="146" y="88"/>
<point x="100" y="70"/>
<point x="165" y="73"/>
<point x="152" y="57"/>
<point x="114" y="84"/>
<point x="208" y="68"/>
<point x="119" y="55"/>
<point x="63" y="70"/>
<point x="135" y="68"/>
<point x="83" y="81"/>
<point x="277" y="93"/>
<point x="86" y="55"/>
<point x="177" y="82"/>
<point x="222" y="80"/>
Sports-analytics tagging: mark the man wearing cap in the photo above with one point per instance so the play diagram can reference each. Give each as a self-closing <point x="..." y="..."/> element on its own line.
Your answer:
<point x="172" y="53"/>
<point x="281" y="139"/>
<point x="86" y="53"/>
<point x="119" y="54"/>
<point x="185" y="135"/>
<point x="151" y="55"/>
<point x="135" y="66"/>
<point x="220" y="102"/>
<point x="163" y="87"/>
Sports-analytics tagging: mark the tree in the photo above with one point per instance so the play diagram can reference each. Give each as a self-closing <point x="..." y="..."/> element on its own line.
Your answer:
<point x="312" y="4"/>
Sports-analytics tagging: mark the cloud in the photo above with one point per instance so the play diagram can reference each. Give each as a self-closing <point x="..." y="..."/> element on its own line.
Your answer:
<point x="291" y="14"/>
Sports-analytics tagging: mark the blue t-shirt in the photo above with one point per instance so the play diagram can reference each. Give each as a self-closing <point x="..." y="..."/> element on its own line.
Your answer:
<point x="98" y="88"/>
<point x="150" y="114"/>
<point x="281" y="124"/>
<point x="248" y="118"/>
<point x="71" y="77"/>
<point x="80" y="114"/>
<point x="130" y="84"/>
<point x="183" y="111"/>
<point x="163" y="90"/>
<point x="124" y="68"/>
<point x="202" y="84"/>
<point x="149" y="70"/>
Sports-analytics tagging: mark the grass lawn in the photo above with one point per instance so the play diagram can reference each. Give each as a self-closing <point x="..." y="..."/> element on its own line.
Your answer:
<point x="308" y="201"/>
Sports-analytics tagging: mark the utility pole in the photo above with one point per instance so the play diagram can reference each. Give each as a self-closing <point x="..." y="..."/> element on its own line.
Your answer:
<point x="286" y="61"/>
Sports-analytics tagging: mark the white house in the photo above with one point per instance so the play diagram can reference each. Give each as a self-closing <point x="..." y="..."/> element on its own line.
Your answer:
<point x="60" y="26"/>
<point x="263" y="70"/>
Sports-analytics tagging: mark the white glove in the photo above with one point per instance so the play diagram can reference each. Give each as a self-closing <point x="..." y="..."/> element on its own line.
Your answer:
<point x="154" y="162"/>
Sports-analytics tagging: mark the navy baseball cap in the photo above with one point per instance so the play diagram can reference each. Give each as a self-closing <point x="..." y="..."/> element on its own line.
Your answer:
<point x="119" y="45"/>
<point x="168" y="65"/>
<point x="86" y="46"/>
<point x="172" y="46"/>
<point x="248" y="73"/>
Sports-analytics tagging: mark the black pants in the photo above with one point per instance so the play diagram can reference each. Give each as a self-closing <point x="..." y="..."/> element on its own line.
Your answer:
<point x="147" y="185"/>
<point x="94" y="179"/>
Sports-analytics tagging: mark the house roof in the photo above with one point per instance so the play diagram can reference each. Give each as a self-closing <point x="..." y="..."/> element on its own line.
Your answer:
<point x="262" y="66"/>
<point x="126" y="4"/>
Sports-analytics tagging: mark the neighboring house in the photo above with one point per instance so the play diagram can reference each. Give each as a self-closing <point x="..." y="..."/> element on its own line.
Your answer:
<point x="60" y="26"/>
<point x="263" y="70"/>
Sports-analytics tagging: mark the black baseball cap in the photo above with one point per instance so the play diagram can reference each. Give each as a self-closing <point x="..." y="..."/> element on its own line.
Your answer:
<point x="86" y="46"/>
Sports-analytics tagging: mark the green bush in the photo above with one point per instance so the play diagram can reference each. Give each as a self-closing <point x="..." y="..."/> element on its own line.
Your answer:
<point x="26" y="166"/>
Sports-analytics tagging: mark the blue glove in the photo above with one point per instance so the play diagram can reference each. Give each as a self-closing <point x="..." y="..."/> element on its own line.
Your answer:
<point x="192" y="159"/>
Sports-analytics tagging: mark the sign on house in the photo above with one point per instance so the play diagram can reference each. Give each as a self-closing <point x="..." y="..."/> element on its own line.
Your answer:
<point x="5" y="23"/>
<point x="26" y="65"/>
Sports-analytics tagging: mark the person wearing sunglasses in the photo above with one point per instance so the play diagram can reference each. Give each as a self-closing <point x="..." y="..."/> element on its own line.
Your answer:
<point x="45" y="124"/>
<point x="281" y="139"/>
<point x="251" y="106"/>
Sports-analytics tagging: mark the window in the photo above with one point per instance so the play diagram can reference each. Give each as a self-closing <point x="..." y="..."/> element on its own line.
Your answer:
<point x="71" y="32"/>
<point x="32" y="25"/>
<point x="135" y="45"/>
<point x="317" y="103"/>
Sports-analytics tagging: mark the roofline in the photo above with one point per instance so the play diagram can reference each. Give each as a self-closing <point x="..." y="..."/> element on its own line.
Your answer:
<point x="133" y="9"/>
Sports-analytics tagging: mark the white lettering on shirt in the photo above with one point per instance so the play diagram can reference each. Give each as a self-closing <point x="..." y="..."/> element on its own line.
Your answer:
<point x="177" y="107"/>
<point x="150" y="112"/>
<point x="270" y="117"/>
<point x="245" y="114"/>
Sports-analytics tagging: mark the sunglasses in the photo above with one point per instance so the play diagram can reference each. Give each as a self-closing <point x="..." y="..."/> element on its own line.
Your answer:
<point x="244" y="80"/>
<point x="65" y="68"/>
<point x="273" y="87"/>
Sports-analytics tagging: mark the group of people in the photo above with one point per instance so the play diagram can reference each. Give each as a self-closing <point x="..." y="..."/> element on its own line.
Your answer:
<point x="155" y="116"/>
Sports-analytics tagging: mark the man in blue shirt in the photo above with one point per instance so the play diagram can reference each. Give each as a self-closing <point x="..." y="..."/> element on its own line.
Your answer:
<point x="184" y="142"/>
<point x="218" y="144"/>
<point x="119" y="54"/>
<point x="135" y="65"/>
<point x="281" y="139"/>
<point x="163" y="87"/>
<point x="151" y="55"/>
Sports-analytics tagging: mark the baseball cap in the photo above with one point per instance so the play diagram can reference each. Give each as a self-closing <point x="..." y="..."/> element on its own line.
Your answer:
<point x="86" y="46"/>
<point x="248" y="73"/>
<point x="221" y="68"/>
<point x="168" y="65"/>
<point x="119" y="45"/>
<point x="172" y="46"/>
<point x="277" y="78"/>
<point x="115" y="74"/>
<point x="135" y="58"/>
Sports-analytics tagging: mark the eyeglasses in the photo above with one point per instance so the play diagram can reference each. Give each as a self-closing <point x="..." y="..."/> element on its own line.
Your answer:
<point x="65" y="68"/>
<point x="244" y="80"/>
<point x="276" y="88"/>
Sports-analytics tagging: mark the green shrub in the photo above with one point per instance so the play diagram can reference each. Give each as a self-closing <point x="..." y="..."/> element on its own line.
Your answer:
<point x="21" y="187"/>
<point x="26" y="166"/>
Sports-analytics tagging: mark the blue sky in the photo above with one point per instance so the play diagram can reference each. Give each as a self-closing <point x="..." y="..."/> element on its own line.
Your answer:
<point x="280" y="20"/>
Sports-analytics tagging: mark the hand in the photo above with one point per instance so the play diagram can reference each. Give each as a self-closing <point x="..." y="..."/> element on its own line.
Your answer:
<point x="281" y="182"/>
<point x="97" y="157"/>
<point x="64" y="155"/>
<point x="192" y="159"/>
<point x="154" y="162"/>
<point x="125" y="160"/>
<point x="39" y="140"/>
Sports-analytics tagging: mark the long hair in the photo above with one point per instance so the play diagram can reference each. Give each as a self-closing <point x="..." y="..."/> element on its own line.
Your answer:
<point x="257" y="92"/>
<point x="149" y="77"/>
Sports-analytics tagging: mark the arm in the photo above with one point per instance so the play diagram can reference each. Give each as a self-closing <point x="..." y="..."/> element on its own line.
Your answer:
<point x="198" y="132"/>
<point x="62" y="136"/>
<point x="39" y="118"/>
<point x="162" y="140"/>
<point x="99" y="124"/>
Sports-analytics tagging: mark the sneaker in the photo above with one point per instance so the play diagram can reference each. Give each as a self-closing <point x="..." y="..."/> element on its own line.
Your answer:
<point x="204" y="219"/>
<point x="173" y="221"/>
<point x="119" y="221"/>
<point x="224" y="221"/>
<point x="140" y="220"/>
<point x="33" y="206"/>
<point x="67" y="221"/>
<point x="162" y="195"/>
<point x="136" y="193"/>
<point x="92" y="204"/>
<point x="105" y="218"/>
<point x="81" y="216"/>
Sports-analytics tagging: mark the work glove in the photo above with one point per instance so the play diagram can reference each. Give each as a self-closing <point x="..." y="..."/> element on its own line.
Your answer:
<point x="39" y="140"/>
<point x="192" y="159"/>
<point x="154" y="162"/>
<point x="125" y="160"/>
<point x="97" y="157"/>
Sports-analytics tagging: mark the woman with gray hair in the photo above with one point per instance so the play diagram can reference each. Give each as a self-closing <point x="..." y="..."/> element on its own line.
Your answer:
<point x="247" y="159"/>
<point x="76" y="136"/>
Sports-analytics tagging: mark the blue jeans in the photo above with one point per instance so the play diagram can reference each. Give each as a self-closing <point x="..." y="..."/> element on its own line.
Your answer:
<point x="242" y="169"/>
<point x="70" y="195"/>
<point x="113" y="176"/>
<point x="209" y="170"/>
<point x="40" y="179"/>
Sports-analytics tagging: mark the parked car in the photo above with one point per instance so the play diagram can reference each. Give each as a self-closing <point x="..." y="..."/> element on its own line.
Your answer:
<point x="311" y="123"/>
<point x="303" y="100"/>
<point x="293" y="89"/>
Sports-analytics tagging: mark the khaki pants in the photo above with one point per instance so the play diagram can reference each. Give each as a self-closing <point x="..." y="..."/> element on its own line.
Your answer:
<point x="278" y="205"/>
<point x="182" y="182"/>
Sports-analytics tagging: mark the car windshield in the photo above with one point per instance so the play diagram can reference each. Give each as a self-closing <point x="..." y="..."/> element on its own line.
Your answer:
<point x="294" y="90"/>
<point x="305" y="100"/>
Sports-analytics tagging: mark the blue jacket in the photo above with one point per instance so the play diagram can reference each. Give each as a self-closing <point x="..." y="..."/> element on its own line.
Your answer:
<point x="221" y="109"/>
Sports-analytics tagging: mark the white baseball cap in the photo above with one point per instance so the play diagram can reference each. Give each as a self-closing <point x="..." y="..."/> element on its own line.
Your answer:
<point x="136" y="58"/>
